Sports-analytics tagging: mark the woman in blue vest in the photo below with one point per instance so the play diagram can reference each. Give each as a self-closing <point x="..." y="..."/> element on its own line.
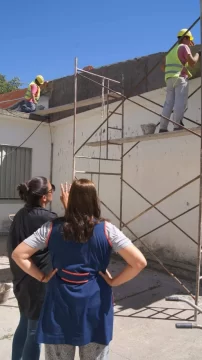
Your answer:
<point x="78" y="308"/>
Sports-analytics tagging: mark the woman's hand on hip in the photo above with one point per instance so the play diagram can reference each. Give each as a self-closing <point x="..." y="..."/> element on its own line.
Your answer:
<point x="107" y="277"/>
<point x="46" y="278"/>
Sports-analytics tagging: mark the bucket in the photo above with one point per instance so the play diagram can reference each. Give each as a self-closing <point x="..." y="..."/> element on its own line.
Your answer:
<point x="148" y="129"/>
<point x="4" y="292"/>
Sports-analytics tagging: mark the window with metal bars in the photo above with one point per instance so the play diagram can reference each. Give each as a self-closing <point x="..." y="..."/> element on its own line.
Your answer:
<point x="15" y="168"/>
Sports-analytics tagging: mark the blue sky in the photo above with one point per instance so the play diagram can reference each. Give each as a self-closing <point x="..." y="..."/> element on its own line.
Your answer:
<point x="43" y="37"/>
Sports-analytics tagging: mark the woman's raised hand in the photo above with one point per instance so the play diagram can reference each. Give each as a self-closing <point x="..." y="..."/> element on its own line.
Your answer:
<point x="64" y="196"/>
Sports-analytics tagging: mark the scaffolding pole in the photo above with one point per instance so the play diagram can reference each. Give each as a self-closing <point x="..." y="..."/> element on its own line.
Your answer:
<point x="78" y="71"/>
<point x="122" y="150"/>
<point x="198" y="265"/>
<point x="74" y="121"/>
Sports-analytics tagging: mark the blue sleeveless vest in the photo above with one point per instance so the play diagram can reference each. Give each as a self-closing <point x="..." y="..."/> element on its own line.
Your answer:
<point x="78" y="307"/>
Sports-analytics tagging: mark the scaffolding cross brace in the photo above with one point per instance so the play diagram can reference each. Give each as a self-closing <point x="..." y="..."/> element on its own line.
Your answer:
<point x="110" y="142"/>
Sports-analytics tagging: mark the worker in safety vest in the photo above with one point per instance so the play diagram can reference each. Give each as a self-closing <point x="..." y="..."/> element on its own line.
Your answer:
<point x="177" y="74"/>
<point x="32" y="94"/>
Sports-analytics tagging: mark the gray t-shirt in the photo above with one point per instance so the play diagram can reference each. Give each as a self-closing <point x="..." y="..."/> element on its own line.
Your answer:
<point x="118" y="240"/>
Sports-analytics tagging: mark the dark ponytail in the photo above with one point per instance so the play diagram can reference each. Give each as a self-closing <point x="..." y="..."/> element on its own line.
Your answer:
<point x="23" y="190"/>
<point x="32" y="191"/>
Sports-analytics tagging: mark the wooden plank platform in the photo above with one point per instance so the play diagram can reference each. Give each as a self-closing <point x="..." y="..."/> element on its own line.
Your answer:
<point x="82" y="103"/>
<point x="157" y="136"/>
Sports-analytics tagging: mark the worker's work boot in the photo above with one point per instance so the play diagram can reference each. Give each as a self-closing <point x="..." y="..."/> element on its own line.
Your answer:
<point x="162" y="131"/>
<point x="179" y="128"/>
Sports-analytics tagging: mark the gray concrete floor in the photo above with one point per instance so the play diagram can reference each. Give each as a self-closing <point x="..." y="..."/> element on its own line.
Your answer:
<point x="144" y="322"/>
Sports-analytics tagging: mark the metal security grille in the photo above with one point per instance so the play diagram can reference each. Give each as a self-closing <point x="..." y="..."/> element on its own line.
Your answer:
<point x="15" y="167"/>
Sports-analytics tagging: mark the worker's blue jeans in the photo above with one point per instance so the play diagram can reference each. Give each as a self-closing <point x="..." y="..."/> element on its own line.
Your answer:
<point x="177" y="90"/>
<point x="28" y="107"/>
<point x="24" y="345"/>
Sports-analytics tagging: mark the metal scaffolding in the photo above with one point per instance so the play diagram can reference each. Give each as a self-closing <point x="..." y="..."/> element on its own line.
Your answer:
<point x="106" y="99"/>
<point x="119" y="110"/>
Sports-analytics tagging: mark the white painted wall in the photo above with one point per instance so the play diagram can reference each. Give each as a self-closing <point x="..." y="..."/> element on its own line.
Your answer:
<point x="154" y="168"/>
<point x="13" y="132"/>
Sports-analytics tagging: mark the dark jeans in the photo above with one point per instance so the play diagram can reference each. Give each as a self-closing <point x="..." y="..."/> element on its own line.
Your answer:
<point x="25" y="346"/>
<point x="28" y="107"/>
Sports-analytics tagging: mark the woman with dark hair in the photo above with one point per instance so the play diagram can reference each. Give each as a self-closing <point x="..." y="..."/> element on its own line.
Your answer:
<point x="36" y="193"/>
<point x="78" y="307"/>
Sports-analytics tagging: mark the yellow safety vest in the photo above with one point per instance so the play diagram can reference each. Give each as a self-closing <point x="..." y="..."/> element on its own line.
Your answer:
<point x="173" y="66"/>
<point x="28" y="94"/>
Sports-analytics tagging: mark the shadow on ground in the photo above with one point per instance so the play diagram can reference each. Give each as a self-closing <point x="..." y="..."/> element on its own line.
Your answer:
<point x="144" y="296"/>
<point x="5" y="275"/>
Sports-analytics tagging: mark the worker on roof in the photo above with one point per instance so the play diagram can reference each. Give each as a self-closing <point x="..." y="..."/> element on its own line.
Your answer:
<point x="32" y="94"/>
<point x="177" y="74"/>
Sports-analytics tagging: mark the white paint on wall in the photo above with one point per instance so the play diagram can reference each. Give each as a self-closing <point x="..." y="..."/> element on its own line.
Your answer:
<point x="13" y="132"/>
